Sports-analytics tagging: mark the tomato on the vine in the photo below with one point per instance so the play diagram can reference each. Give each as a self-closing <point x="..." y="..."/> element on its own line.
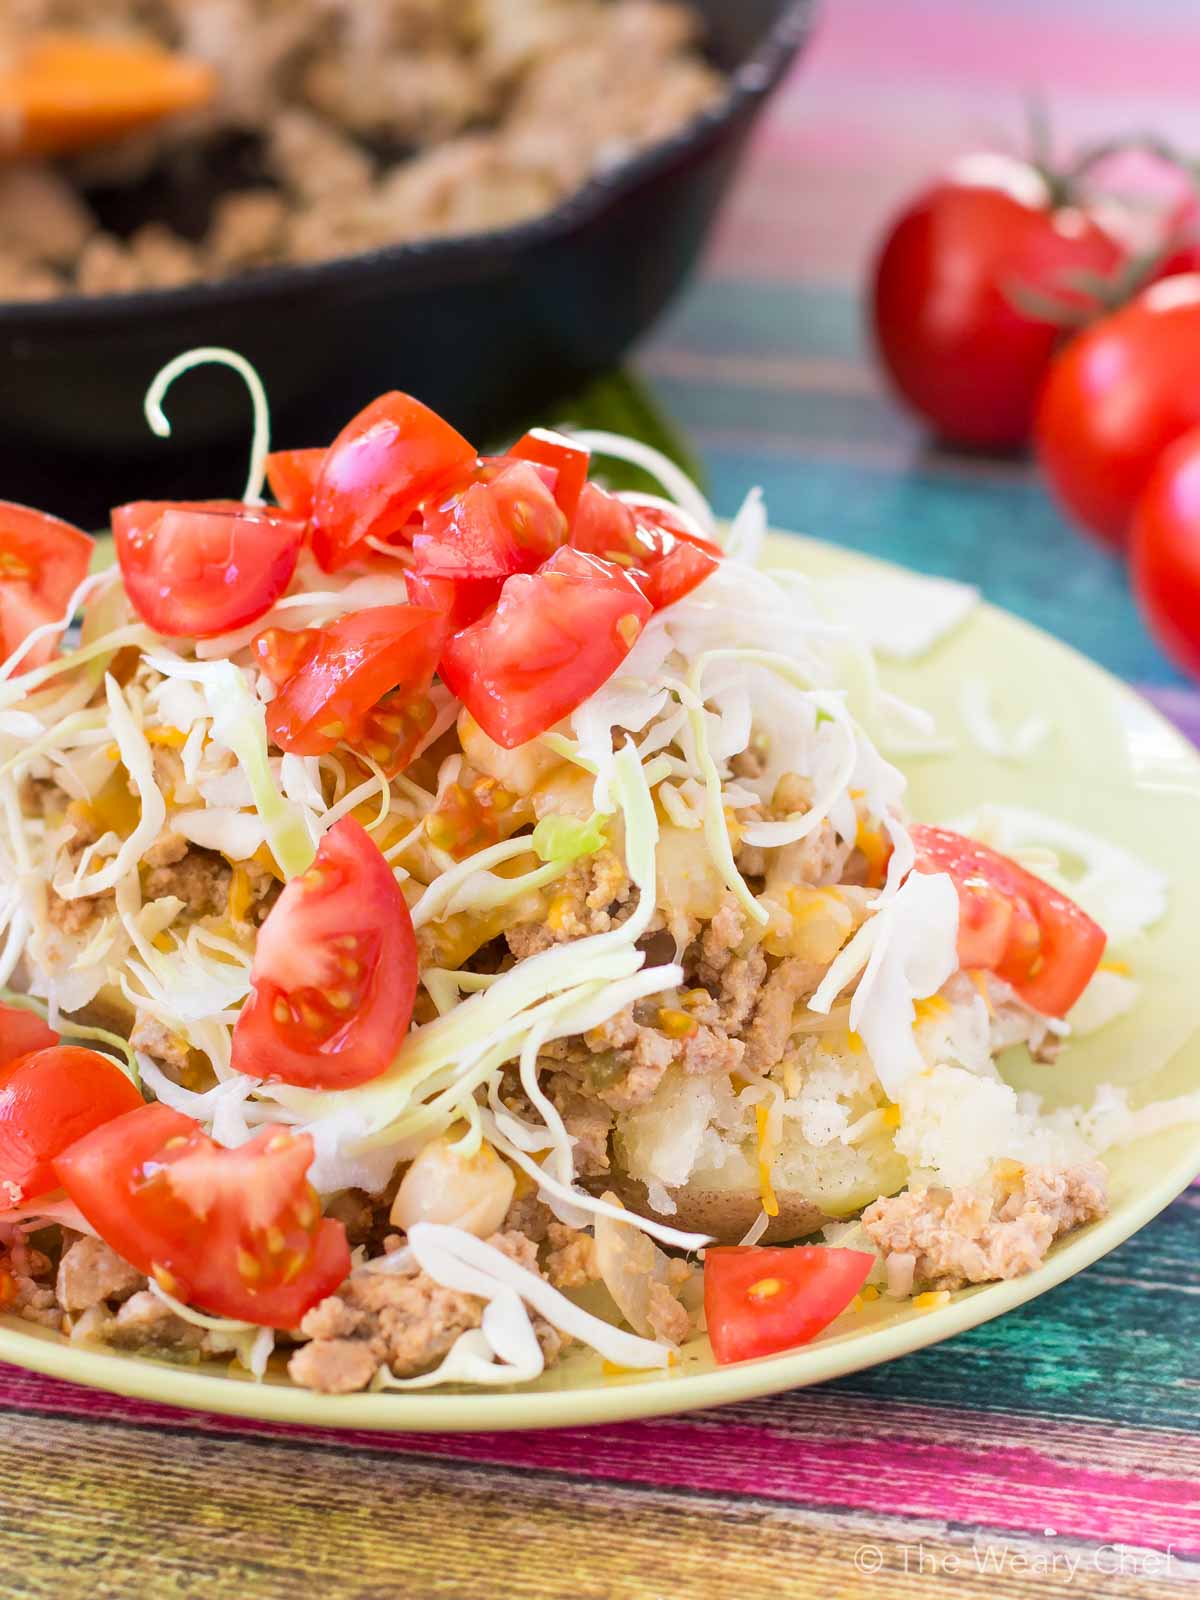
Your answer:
<point x="1118" y="395"/>
<point x="1165" y="552"/>
<point x="970" y="291"/>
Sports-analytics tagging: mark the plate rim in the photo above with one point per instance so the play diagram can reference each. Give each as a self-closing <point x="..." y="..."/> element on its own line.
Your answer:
<point x="656" y="1394"/>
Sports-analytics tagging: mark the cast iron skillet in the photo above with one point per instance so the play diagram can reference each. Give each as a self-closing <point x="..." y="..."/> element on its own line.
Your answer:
<point x="485" y="328"/>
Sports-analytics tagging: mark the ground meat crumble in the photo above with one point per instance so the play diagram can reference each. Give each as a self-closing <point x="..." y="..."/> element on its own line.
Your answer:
<point x="945" y="1238"/>
<point x="400" y="1320"/>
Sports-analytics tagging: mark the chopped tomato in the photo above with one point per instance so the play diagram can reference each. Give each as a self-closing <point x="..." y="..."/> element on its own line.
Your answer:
<point x="468" y="539"/>
<point x="394" y="728"/>
<point x="683" y="568"/>
<point x="606" y="527"/>
<point x="667" y="560"/>
<point x="461" y="601"/>
<point x="42" y="562"/>
<point x="335" y="971"/>
<point x="1014" y="924"/>
<point x="468" y="818"/>
<point x="292" y="475"/>
<point x="237" y="1232"/>
<point x="383" y="464"/>
<point x="197" y="568"/>
<point x="22" y="1031"/>
<point x="568" y="461"/>
<point x="48" y="1099"/>
<point x="554" y="637"/>
<point x="759" y="1300"/>
<point x="331" y="679"/>
<point x="281" y="652"/>
<point x="503" y="521"/>
<point x="651" y="517"/>
<point x="525" y="506"/>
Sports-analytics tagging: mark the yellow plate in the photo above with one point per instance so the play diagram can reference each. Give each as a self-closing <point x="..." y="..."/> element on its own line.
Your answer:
<point x="1112" y="765"/>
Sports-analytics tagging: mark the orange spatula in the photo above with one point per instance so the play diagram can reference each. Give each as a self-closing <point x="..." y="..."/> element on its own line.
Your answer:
<point x="65" y="92"/>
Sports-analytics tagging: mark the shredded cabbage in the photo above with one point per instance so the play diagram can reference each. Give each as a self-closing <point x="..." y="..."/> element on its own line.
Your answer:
<point x="239" y="723"/>
<point x="568" y="838"/>
<point x="905" y="952"/>
<point x="459" y="1261"/>
<point x="139" y="763"/>
<point x="214" y="355"/>
<point x="901" y="615"/>
<point x="674" y="480"/>
<point x="976" y="703"/>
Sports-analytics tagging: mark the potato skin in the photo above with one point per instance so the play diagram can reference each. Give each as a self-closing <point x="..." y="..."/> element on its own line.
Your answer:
<point x="726" y="1214"/>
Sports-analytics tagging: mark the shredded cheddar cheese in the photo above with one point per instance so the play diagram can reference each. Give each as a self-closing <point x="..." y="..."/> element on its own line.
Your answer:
<point x="769" y="1203"/>
<point x="239" y="894"/>
<point x="979" y="978"/>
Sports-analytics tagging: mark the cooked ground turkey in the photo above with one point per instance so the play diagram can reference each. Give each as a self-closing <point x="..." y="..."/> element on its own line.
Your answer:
<point x="944" y="1238"/>
<point x="736" y="1012"/>
<point x="365" y="124"/>
<point x="402" y="1320"/>
<point x="95" y="1297"/>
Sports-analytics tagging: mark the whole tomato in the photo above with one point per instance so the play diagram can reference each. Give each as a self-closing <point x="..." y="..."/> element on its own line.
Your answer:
<point x="1164" y="552"/>
<point x="1115" y="398"/>
<point x="948" y="287"/>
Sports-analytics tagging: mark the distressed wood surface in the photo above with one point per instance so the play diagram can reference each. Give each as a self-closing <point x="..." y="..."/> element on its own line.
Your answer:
<point x="1051" y="1455"/>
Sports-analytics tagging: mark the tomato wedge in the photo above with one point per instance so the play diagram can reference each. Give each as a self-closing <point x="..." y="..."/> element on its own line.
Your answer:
<point x="331" y="679"/>
<point x="42" y="562"/>
<point x="554" y="637"/>
<point x="469" y="538"/>
<point x="22" y="1031"/>
<point x="461" y="601"/>
<point x="759" y="1300"/>
<point x="292" y="476"/>
<point x="667" y="560"/>
<point x="525" y="505"/>
<point x="197" y="568"/>
<point x="1013" y="923"/>
<point x="48" y="1099"/>
<point x="334" y="974"/>
<point x="383" y="464"/>
<point x="567" y="460"/>
<point x="238" y="1232"/>
<point x="503" y="521"/>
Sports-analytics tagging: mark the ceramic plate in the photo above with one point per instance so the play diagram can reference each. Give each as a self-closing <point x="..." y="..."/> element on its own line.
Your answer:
<point x="1112" y="765"/>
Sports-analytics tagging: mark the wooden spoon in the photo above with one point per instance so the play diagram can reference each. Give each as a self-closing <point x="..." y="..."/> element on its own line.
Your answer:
<point x="64" y="92"/>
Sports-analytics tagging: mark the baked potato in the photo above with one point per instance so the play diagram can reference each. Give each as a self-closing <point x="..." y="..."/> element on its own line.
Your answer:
<point x="710" y="1173"/>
